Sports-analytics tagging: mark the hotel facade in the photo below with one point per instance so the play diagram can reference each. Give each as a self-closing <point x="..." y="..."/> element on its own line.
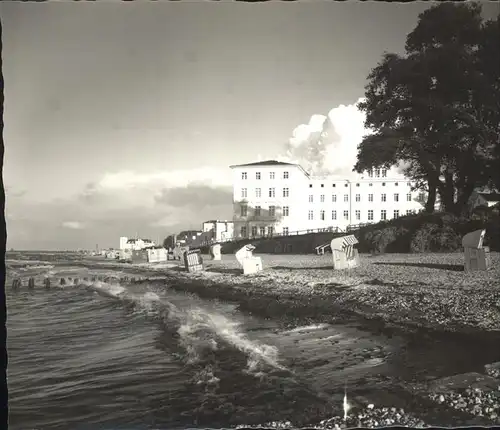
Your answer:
<point x="273" y="197"/>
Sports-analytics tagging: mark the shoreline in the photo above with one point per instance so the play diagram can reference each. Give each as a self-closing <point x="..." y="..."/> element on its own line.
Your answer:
<point x="300" y="290"/>
<point x="415" y="292"/>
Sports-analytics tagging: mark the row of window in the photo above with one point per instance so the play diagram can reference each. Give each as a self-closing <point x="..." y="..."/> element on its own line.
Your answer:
<point x="357" y="215"/>
<point x="286" y="193"/>
<point x="258" y="176"/>
<point x="286" y="175"/>
<point x="377" y="173"/>
<point x="383" y="198"/>
<point x="255" y="231"/>
<point x="358" y="184"/>
<point x="322" y="213"/>
<point x="258" y="211"/>
<point x="261" y="231"/>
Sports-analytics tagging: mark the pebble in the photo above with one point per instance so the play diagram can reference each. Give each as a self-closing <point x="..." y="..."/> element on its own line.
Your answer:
<point x="474" y="401"/>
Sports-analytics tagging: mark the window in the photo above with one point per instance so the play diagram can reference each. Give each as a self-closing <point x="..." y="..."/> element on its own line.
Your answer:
<point x="310" y="215"/>
<point x="334" y="198"/>
<point x="395" y="184"/>
<point x="311" y="198"/>
<point x="322" y="185"/>
<point x="272" y="192"/>
<point x="286" y="192"/>
<point x="270" y="230"/>
<point x="370" y="173"/>
<point x="334" y="185"/>
<point x="285" y="231"/>
<point x="383" y="198"/>
<point x="286" y="211"/>
<point x="310" y="185"/>
<point x="383" y="214"/>
<point x="257" y="210"/>
<point x="254" y="231"/>
<point x="358" y="215"/>
<point x="370" y="197"/>
<point x="408" y="197"/>
<point x="271" y="175"/>
<point x="258" y="193"/>
<point x="244" y="210"/>
<point x="346" y="185"/>
<point x="358" y="197"/>
<point x="377" y="173"/>
<point x="396" y="197"/>
<point x="243" y="175"/>
<point x="384" y="173"/>
<point x="383" y="184"/>
<point x="257" y="175"/>
<point x="396" y="214"/>
<point x="370" y="215"/>
<point x="285" y="175"/>
<point x="334" y="215"/>
<point x="243" y="193"/>
<point x="357" y="185"/>
<point x="408" y="211"/>
<point x="346" y="215"/>
<point x="322" y="215"/>
<point x="421" y="197"/>
<point x="262" y="231"/>
<point x="272" y="210"/>
<point x="346" y="197"/>
<point x="322" y="198"/>
<point x="243" y="231"/>
<point x="408" y="184"/>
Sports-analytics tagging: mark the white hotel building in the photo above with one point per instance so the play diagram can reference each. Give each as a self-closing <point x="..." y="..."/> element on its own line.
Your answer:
<point x="272" y="197"/>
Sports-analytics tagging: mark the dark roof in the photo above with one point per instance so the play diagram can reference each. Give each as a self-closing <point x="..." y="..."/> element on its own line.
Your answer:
<point x="490" y="197"/>
<point x="264" y="163"/>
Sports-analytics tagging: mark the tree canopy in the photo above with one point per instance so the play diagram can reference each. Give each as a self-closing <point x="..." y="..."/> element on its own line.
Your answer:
<point x="436" y="109"/>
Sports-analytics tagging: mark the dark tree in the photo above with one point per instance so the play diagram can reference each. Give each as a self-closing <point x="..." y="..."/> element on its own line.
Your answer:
<point x="436" y="109"/>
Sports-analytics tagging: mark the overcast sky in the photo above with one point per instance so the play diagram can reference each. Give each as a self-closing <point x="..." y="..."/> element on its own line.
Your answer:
<point x="122" y="118"/>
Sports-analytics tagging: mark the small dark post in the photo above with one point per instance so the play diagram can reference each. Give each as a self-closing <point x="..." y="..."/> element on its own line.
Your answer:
<point x="75" y="281"/>
<point x="16" y="284"/>
<point x="31" y="283"/>
<point x="46" y="282"/>
<point x="63" y="281"/>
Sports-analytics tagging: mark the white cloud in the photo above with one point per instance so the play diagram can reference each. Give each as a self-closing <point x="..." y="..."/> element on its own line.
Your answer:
<point x="151" y="204"/>
<point x="328" y="144"/>
<point x="74" y="225"/>
<point x="166" y="179"/>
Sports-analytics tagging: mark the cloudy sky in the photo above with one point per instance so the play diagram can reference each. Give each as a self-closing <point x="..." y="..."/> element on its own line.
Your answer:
<point x="122" y="118"/>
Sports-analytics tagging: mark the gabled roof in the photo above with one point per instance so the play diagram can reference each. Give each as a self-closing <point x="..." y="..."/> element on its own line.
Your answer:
<point x="490" y="197"/>
<point x="264" y="163"/>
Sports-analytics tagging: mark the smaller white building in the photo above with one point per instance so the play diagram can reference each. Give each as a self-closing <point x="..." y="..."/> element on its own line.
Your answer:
<point x="221" y="230"/>
<point x="156" y="255"/>
<point x="135" y="244"/>
<point x="486" y="200"/>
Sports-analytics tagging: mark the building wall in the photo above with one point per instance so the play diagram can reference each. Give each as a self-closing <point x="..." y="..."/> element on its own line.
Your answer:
<point x="295" y="185"/>
<point x="157" y="255"/>
<point x="221" y="230"/>
<point x="311" y="203"/>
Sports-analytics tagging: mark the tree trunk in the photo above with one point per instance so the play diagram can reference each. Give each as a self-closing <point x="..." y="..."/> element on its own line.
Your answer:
<point x="431" y="197"/>
<point x="464" y="194"/>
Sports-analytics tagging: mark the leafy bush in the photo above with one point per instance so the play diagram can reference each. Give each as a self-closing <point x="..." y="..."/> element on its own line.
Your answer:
<point x="446" y="239"/>
<point x="421" y="239"/>
<point x="389" y="239"/>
